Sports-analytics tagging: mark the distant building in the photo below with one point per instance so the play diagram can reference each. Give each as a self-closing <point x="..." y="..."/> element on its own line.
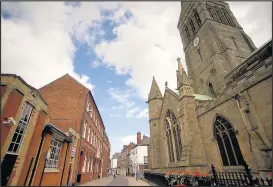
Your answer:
<point x="106" y="165"/>
<point x="139" y="154"/>
<point x="114" y="163"/>
<point x="122" y="161"/>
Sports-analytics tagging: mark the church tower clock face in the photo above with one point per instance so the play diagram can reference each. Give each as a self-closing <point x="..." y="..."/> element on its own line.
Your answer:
<point x="195" y="41"/>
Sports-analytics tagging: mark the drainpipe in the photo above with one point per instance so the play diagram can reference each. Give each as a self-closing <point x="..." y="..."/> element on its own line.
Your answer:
<point x="64" y="162"/>
<point x="84" y="116"/>
<point x="237" y="98"/>
<point x="28" y="171"/>
<point x="38" y="154"/>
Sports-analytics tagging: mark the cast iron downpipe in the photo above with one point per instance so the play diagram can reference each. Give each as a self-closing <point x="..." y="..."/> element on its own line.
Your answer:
<point x="28" y="171"/>
<point x="43" y="171"/>
<point x="46" y="130"/>
<point x="81" y="128"/>
<point x="64" y="161"/>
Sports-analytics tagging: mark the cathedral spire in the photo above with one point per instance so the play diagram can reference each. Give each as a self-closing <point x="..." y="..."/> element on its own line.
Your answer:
<point x="182" y="77"/>
<point x="154" y="92"/>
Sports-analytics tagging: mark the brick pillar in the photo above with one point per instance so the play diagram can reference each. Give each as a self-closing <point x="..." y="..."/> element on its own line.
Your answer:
<point x="81" y="163"/>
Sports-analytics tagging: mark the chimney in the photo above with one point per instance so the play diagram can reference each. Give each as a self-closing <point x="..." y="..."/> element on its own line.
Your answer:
<point x="138" y="138"/>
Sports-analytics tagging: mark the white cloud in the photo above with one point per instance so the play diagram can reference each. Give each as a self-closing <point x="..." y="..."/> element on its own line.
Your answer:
<point x="125" y="101"/>
<point x="149" y="43"/>
<point x="123" y="97"/>
<point x="109" y="81"/>
<point x="37" y="42"/>
<point x="143" y="113"/>
<point x="127" y="139"/>
<point x="131" y="112"/>
<point x="259" y="28"/>
<point x="114" y="115"/>
<point x="118" y="107"/>
<point x="96" y="64"/>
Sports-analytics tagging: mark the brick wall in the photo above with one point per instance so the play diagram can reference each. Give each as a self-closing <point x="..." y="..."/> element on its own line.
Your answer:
<point x="10" y="110"/>
<point x="66" y="99"/>
<point x="35" y="141"/>
<point x="14" y="95"/>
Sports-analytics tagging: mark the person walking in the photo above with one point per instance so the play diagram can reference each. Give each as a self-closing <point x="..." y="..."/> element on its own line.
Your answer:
<point x="136" y="175"/>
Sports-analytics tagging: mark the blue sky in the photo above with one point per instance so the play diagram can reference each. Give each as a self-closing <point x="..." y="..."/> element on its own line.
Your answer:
<point x="113" y="48"/>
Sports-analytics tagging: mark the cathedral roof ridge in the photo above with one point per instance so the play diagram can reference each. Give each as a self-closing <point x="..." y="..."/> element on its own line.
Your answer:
<point x="266" y="44"/>
<point x="202" y="97"/>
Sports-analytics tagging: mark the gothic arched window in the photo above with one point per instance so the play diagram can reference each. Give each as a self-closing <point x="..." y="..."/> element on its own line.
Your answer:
<point x="228" y="17"/>
<point x="221" y="14"/>
<point x="187" y="32"/>
<point x="212" y="12"/>
<point x="196" y="16"/>
<point x="211" y="89"/>
<point x="169" y="141"/>
<point x="172" y="121"/>
<point x="227" y="142"/>
<point x="192" y="26"/>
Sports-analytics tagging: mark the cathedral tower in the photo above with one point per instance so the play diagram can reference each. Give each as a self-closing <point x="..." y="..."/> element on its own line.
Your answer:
<point x="214" y="43"/>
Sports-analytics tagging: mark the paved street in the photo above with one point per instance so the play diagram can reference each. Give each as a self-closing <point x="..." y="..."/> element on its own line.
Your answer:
<point x="118" y="181"/>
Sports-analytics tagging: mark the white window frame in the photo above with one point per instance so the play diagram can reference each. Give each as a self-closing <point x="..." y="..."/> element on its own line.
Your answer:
<point x="91" y="112"/>
<point x="145" y="159"/>
<point x="87" y="105"/>
<point x="19" y="133"/>
<point x="55" y="151"/>
<point x="84" y="129"/>
<point x="91" y="139"/>
<point x="88" y="134"/>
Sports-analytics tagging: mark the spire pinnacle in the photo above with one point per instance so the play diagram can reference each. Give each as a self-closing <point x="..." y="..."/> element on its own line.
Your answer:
<point x="182" y="78"/>
<point x="180" y="66"/>
<point x="154" y="92"/>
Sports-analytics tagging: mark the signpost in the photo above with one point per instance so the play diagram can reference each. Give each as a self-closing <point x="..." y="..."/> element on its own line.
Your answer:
<point x="73" y="152"/>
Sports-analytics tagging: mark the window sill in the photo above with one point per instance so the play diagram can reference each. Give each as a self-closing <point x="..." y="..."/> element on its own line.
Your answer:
<point x="51" y="170"/>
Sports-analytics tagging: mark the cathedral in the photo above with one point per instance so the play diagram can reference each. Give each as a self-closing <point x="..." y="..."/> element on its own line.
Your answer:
<point x="221" y="111"/>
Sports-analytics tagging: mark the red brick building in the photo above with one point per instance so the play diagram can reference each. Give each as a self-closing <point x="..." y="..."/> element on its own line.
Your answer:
<point x="71" y="105"/>
<point x="106" y="165"/>
<point x="33" y="152"/>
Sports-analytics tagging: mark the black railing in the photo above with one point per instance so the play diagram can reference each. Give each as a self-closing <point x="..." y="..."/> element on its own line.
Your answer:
<point x="243" y="178"/>
<point x="238" y="178"/>
<point x="157" y="179"/>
